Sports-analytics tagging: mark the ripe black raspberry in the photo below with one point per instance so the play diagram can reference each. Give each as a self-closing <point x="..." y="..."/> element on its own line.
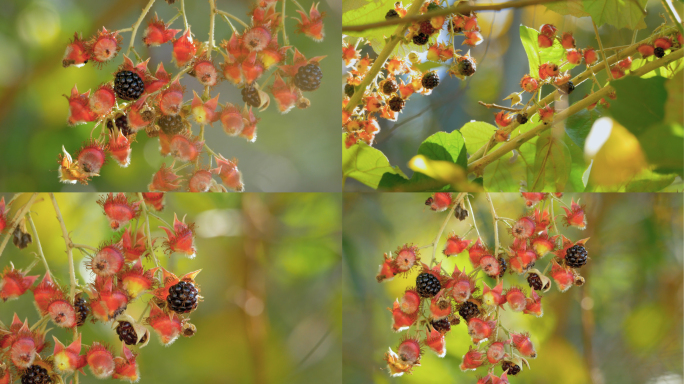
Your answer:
<point x="427" y="28"/>
<point x="466" y="67"/>
<point x="502" y="266"/>
<point x="567" y="88"/>
<point x="128" y="85"/>
<point x="389" y="87"/>
<point x="308" y="77"/>
<point x="20" y="238"/>
<point x="121" y="122"/>
<point x="182" y="297"/>
<point x="349" y="90"/>
<point x="521" y="118"/>
<point x="427" y="284"/>
<point x="430" y="80"/>
<point x="513" y="369"/>
<point x="170" y="124"/>
<point x="127" y="333"/>
<point x="576" y="256"/>
<point x="391" y="14"/>
<point x="460" y="212"/>
<point x="468" y="310"/>
<point x="35" y="374"/>
<point x="250" y="95"/>
<point x="82" y="310"/>
<point x="429" y="201"/>
<point x="659" y="52"/>
<point x="534" y="281"/>
<point x="396" y="103"/>
<point x="442" y="326"/>
<point x="420" y="39"/>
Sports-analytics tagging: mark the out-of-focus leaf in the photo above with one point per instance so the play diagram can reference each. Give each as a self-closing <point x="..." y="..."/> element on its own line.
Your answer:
<point x="476" y="134"/>
<point x="616" y="152"/>
<point x="666" y="71"/>
<point x="568" y="7"/>
<point x="509" y="172"/>
<point x="442" y="171"/>
<point x="664" y="147"/>
<point x="359" y="12"/>
<point x="618" y="13"/>
<point x="551" y="165"/>
<point x="645" y="328"/>
<point x="366" y="164"/>
<point x="640" y="103"/>
<point x="577" y="126"/>
<point x="538" y="56"/>
<point x="577" y="167"/>
<point x="648" y="181"/>
<point x="675" y="99"/>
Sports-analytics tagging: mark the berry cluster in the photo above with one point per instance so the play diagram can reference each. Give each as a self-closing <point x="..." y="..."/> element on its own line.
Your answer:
<point x="441" y="300"/>
<point x="138" y="100"/>
<point x="120" y="278"/>
<point x="558" y="74"/>
<point x="400" y="77"/>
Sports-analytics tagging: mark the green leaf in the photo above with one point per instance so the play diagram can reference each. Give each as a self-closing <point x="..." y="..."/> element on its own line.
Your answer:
<point x="578" y="167"/>
<point x="510" y="171"/>
<point x="665" y="71"/>
<point x="476" y="134"/>
<point x="536" y="55"/>
<point x="618" y="13"/>
<point x="357" y="12"/>
<point x="366" y="164"/>
<point x="664" y="147"/>
<point x="648" y="181"/>
<point x="445" y="146"/>
<point x="675" y="99"/>
<point x="640" y="102"/>
<point x="577" y="126"/>
<point x="568" y="7"/>
<point x="552" y="164"/>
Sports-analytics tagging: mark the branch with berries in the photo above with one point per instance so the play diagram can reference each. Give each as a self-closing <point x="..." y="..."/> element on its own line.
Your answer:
<point x="441" y="300"/>
<point x="658" y="50"/>
<point x="120" y="278"/>
<point x="138" y="100"/>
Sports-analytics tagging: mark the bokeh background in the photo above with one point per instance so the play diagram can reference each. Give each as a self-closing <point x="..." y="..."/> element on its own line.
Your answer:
<point x="298" y="151"/>
<point x="623" y="326"/>
<point x="501" y="63"/>
<point x="270" y="278"/>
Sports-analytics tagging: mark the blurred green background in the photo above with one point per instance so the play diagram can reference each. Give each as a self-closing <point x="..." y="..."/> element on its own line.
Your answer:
<point x="270" y="279"/>
<point x="623" y="326"/>
<point x="501" y="63"/>
<point x="298" y="151"/>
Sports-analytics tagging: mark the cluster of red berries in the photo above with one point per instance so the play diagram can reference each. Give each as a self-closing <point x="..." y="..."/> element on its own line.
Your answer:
<point x="136" y="99"/>
<point x="119" y="279"/>
<point x="401" y="77"/>
<point x="441" y="300"/>
<point x="550" y="73"/>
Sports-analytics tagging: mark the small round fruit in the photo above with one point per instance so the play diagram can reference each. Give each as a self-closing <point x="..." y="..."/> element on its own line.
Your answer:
<point x="420" y="39"/>
<point x="82" y="310"/>
<point x="308" y="77"/>
<point x="128" y="85"/>
<point x="250" y="95"/>
<point x="171" y="125"/>
<point x="35" y="374"/>
<point x="427" y="284"/>
<point x="466" y="67"/>
<point x="182" y="297"/>
<point x="349" y="90"/>
<point x="503" y="265"/>
<point x="427" y="28"/>
<point x="521" y="118"/>
<point x="391" y="14"/>
<point x="576" y="256"/>
<point x="659" y="52"/>
<point x="468" y="310"/>
<point x="396" y="104"/>
<point x="567" y="88"/>
<point x="513" y="369"/>
<point x="442" y="326"/>
<point x="534" y="281"/>
<point x="127" y="333"/>
<point x="121" y="122"/>
<point x="389" y="87"/>
<point x="430" y="80"/>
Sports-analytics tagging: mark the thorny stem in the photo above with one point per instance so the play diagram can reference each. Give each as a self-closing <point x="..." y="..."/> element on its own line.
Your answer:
<point x="298" y="5"/>
<point x="472" y="216"/>
<point x="185" y="18"/>
<point x="462" y="8"/>
<point x="160" y="219"/>
<point x="224" y="13"/>
<point x="147" y="229"/>
<point x="229" y="23"/>
<point x="285" y="40"/>
<point x="15" y="221"/>
<point x="69" y="248"/>
<point x="40" y="247"/>
<point x="83" y="246"/>
<point x="480" y="153"/>
<point x="212" y="16"/>
<point x="598" y="38"/>
<point x="480" y="163"/>
<point x="137" y="25"/>
<point x="499" y="107"/>
<point x="553" y="218"/>
<point x="459" y="198"/>
<point x="496" y="225"/>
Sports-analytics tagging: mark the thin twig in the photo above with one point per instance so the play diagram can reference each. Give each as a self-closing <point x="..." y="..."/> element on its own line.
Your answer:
<point x="147" y="228"/>
<point x="185" y="17"/>
<point x="224" y="13"/>
<point x="499" y="107"/>
<point x="40" y="247"/>
<point x="472" y="216"/>
<point x="137" y="25"/>
<point x="15" y="221"/>
<point x="496" y="224"/>
<point x="598" y="38"/>
<point x="212" y="12"/>
<point x="69" y="247"/>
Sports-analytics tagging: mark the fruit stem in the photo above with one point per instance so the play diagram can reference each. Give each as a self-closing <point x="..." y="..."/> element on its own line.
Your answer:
<point x="185" y="18"/>
<point x="40" y="248"/>
<point x="472" y="216"/>
<point x="499" y="107"/>
<point x="459" y="198"/>
<point x="397" y="36"/>
<point x="212" y="12"/>
<point x="147" y="229"/>
<point x="160" y="219"/>
<point x="298" y="5"/>
<point x="553" y="219"/>
<point x="598" y="38"/>
<point x="137" y="25"/>
<point x="83" y="246"/>
<point x="15" y="222"/>
<point x="69" y="248"/>
<point x="231" y="26"/>
<point x="480" y="163"/>
<point x="496" y="227"/>
<point x="282" y="24"/>
<point x="226" y="14"/>
<point x="462" y="8"/>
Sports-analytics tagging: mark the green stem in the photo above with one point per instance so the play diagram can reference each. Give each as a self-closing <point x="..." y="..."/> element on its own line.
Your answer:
<point x="40" y="247"/>
<point x="224" y="13"/>
<point x="137" y="25"/>
<point x="69" y="248"/>
<point x="147" y="229"/>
